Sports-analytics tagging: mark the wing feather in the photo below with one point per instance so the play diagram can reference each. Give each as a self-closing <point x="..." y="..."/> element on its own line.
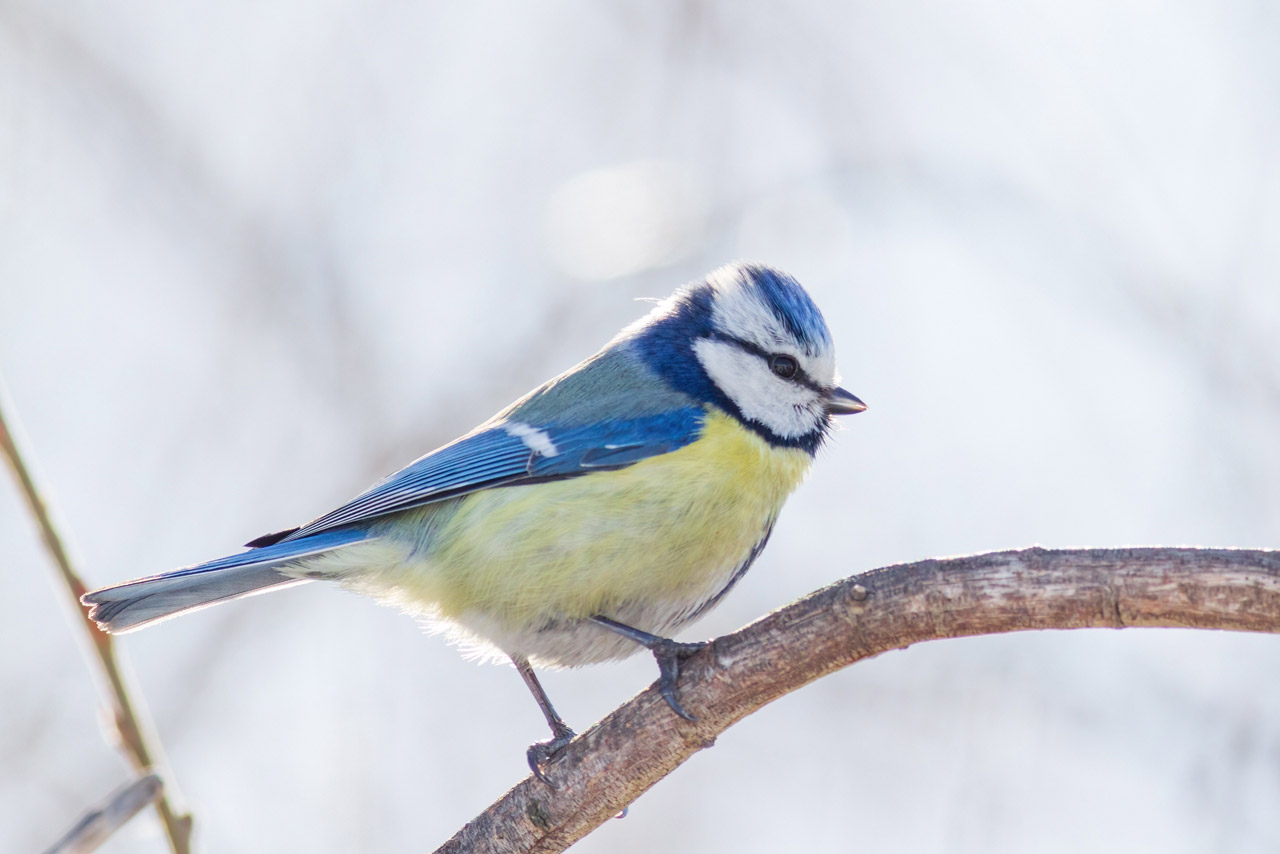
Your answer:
<point x="504" y="455"/>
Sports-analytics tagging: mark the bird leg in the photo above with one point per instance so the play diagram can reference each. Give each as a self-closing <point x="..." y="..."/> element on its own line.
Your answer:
<point x="669" y="654"/>
<point x="561" y="734"/>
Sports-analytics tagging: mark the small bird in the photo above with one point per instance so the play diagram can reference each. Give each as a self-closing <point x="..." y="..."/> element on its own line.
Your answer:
<point x="593" y="517"/>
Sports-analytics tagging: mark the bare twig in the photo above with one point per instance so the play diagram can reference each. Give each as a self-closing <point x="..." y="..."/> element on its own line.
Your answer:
<point x="133" y="741"/>
<point x="106" y="818"/>
<point x="890" y="608"/>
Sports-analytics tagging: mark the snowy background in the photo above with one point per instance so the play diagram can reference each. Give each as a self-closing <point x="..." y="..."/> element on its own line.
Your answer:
<point x="253" y="256"/>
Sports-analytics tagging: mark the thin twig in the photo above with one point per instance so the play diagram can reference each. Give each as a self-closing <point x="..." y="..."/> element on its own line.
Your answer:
<point x="640" y="743"/>
<point x="133" y="739"/>
<point x="105" y="819"/>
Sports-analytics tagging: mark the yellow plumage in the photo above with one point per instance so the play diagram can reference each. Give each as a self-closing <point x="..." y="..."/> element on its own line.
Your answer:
<point x="646" y="545"/>
<point x="519" y="541"/>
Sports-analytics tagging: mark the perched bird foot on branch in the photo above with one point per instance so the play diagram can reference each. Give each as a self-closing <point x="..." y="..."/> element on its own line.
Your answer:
<point x="545" y="751"/>
<point x="670" y="654"/>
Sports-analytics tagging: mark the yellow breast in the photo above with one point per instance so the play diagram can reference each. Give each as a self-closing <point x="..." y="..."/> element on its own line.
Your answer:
<point x="668" y="530"/>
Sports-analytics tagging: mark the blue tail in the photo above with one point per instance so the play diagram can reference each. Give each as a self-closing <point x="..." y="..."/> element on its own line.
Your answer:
<point x="140" y="603"/>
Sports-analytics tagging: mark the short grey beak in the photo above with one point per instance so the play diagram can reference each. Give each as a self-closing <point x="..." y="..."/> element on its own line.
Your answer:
<point x="841" y="402"/>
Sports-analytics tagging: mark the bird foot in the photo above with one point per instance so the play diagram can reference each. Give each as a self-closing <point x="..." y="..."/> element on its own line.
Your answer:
<point x="545" y="751"/>
<point x="669" y="655"/>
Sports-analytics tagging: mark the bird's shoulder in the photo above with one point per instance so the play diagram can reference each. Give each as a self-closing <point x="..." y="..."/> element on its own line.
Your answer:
<point x="609" y="412"/>
<point x="615" y="383"/>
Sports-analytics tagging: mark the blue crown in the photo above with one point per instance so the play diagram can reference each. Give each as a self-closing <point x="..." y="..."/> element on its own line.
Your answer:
<point x="789" y="303"/>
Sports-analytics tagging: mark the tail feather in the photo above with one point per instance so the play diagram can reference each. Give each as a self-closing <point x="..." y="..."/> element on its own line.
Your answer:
<point x="146" y="601"/>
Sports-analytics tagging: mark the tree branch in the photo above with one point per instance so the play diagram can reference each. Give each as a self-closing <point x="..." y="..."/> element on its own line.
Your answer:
<point x="891" y="608"/>
<point x="133" y="739"/>
<point x="105" y="819"/>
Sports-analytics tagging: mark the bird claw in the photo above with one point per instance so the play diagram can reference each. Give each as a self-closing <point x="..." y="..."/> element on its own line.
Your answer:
<point x="669" y="654"/>
<point x="545" y="751"/>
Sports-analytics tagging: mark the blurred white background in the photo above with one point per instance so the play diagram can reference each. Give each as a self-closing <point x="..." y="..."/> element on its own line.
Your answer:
<point x="253" y="256"/>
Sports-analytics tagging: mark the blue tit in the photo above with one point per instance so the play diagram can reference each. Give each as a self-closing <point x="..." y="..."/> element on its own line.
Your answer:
<point x="595" y="516"/>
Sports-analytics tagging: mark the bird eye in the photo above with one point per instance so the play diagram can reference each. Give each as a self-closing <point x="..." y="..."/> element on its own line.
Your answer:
<point x="783" y="366"/>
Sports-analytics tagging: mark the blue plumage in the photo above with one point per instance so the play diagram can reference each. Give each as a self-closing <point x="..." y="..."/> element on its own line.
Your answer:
<point x="607" y="507"/>
<point x="140" y="603"/>
<point x="663" y="346"/>
<point x="790" y="305"/>
<point x="500" y="457"/>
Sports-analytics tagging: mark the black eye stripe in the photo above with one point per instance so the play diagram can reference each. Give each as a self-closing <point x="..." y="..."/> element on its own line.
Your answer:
<point x="800" y="377"/>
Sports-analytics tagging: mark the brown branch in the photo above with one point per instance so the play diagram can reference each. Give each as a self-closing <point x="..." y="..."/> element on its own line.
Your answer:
<point x="105" y="819"/>
<point x="890" y="608"/>
<point x="133" y="740"/>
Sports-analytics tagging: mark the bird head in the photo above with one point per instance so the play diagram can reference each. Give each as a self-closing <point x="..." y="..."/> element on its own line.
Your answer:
<point x="748" y="339"/>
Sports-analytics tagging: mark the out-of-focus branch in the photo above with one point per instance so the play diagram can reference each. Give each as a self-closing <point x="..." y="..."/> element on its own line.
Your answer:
<point x="106" y="818"/>
<point x="890" y="608"/>
<point x="133" y="739"/>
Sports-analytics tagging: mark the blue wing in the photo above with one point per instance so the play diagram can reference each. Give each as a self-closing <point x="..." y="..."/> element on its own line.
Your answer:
<point x="512" y="453"/>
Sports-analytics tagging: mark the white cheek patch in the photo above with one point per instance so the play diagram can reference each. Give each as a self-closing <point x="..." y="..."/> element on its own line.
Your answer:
<point x="534" y="439"/>
<point x="788" y="409"/>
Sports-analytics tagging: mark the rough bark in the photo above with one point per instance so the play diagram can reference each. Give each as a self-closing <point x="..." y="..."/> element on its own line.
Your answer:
<point x="890" y="608"/>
